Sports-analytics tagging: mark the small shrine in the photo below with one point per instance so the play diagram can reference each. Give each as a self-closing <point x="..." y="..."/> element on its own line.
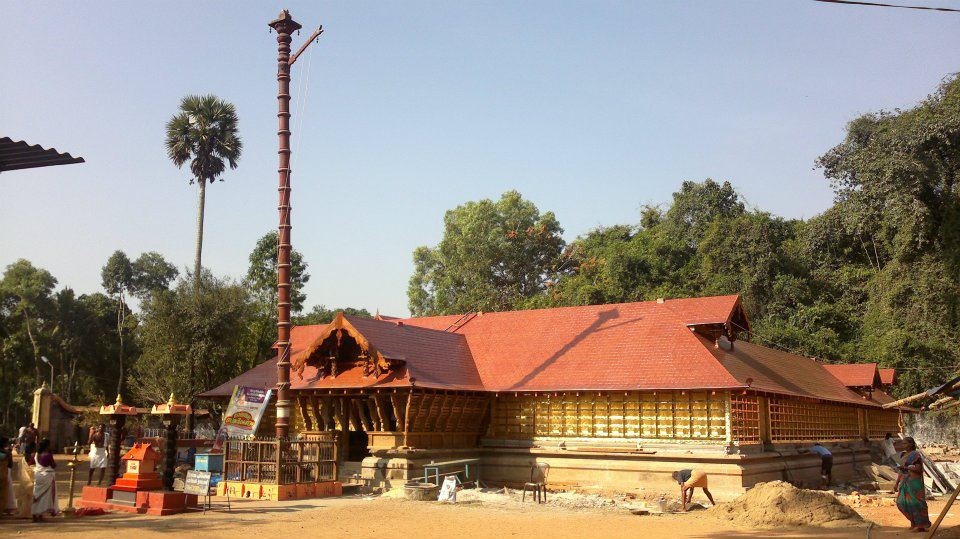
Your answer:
<point x="141" y="488"/>
<point x="141" y="471"/>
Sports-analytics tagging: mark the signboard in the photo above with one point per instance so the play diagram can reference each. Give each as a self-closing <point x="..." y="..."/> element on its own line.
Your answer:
<point x="197" y="483"/>
<point x="243" y="414"/>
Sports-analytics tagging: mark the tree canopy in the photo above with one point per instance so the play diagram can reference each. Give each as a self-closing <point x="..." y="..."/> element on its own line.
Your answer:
<point x="493" y="256"/>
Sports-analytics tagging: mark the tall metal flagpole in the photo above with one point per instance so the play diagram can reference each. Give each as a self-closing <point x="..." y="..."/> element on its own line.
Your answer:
<point x="284" y="25"/>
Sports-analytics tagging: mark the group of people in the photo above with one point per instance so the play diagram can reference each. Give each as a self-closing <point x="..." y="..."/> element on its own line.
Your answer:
<point x="28" y="483"/>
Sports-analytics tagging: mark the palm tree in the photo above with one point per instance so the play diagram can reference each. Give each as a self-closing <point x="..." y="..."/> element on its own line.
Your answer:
<point x="204" y="132"/>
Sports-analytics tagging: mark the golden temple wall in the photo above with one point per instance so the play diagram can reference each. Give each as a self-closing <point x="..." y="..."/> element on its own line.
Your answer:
<point x="662" y="415"/>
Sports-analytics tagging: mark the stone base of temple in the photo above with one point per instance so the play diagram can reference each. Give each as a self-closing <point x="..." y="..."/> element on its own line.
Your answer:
<point x="636" y="472"/>
<point x="149" y="502"/>
<point x="266" y="491"/>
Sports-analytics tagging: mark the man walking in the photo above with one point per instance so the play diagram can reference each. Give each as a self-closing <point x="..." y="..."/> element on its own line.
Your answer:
<point x="98" y="453"/>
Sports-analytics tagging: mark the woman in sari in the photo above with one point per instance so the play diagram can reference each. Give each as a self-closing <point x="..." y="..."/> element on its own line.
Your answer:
<point x="911" y="499"/>
<point x="44" y="483"/>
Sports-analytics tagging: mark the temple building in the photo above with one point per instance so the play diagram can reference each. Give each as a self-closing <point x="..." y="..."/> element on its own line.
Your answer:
<point x="611" y="396"/>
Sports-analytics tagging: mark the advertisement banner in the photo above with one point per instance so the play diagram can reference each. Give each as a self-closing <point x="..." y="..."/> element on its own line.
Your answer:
<point x="243" y="414"/>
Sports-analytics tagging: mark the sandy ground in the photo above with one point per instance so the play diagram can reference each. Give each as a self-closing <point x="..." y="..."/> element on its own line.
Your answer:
<point x="386" y="518"/>
<point x="475" y="516"/>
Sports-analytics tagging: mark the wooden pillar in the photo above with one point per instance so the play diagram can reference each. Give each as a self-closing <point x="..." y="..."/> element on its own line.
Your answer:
<point x="406" y="420"/>
<point x="364" y="418"/>
<point x="315" y="406"/>
<point x="342" y="414"/>
<point x="375" y="418"/>
<point x="398" y="411"/>
<point x="384" y="413"/>
<point x="328" y="413"/>
<point x="302" y="405"/>
<point x="355" y="416"/>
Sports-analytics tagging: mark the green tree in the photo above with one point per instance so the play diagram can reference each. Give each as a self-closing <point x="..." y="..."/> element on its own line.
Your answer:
<point x="191" y="339"/>
<point x="493" y="256"/>
<point x="152" y="273"/>
<point x="119" y="280"/>
<point x="30" y="290"/>
<point x="205" y="133"/>
<point x="322" y="315"/>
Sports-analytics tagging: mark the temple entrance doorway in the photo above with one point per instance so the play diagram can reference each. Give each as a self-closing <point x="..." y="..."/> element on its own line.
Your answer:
<point x="357" y="448"/>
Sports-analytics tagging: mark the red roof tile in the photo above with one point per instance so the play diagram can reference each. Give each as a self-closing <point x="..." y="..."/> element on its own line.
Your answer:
<point x="628" y="346"/>
<point x="780" y="372"/>
<point x="855" y="374"/>
<point x="888" y="377"/>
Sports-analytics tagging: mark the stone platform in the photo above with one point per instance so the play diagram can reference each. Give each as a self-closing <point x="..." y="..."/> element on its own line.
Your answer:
<point x="148" y="502"/>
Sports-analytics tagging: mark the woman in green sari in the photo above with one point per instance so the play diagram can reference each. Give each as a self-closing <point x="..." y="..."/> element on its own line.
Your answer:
<point x="911" y="499"/>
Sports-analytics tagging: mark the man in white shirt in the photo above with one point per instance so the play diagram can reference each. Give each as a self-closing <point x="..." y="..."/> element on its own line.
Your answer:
<point x="890" y="457"/>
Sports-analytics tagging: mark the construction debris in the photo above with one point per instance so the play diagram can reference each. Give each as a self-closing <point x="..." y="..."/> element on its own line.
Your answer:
<point x="778" y="504"/>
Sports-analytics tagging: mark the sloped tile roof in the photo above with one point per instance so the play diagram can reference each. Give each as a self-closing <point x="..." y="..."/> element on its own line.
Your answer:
<point x="888" y="376"/>
<point x="774" y="371"/>
<point x="628" y="346"/>
<point x="855" y="374"/>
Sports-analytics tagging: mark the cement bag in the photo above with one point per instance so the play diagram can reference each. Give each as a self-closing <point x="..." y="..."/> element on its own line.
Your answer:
<point x="448" y="491"/>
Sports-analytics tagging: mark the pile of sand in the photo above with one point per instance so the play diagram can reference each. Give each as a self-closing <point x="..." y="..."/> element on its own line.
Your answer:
<point x="781" y="505"/>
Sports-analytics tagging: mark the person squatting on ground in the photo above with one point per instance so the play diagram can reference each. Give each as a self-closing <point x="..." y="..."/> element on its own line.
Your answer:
<point x="98" y="452"/>
<point x="911" y="495"/>
<point x="826" y="463"/>
<point x="44" y="483"/>
<point x="689" y="480"/>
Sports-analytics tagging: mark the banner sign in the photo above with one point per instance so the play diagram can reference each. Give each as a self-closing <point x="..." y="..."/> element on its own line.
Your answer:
<point x="197" y="483"/>
<point x="243" y="414"/>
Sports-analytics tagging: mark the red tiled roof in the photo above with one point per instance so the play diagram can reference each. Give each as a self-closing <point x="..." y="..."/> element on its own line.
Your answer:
<point x="645" y="345"/>
<point x="627" y="346"/>
<point x="784" y="373"/>
<point x="888" y="377"/>
<point x="855" y="374"/>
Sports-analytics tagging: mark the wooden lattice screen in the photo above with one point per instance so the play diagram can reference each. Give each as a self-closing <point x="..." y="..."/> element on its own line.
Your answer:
<point x="745" y="418"/>
<point x="671" y="415"/>
<point x="303" y="461"/>
<point x="794" y="420"/>
<point x="880" y="422"/>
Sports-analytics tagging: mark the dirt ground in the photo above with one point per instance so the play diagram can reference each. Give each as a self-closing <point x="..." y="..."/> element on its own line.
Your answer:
<point x="386" y="518"/>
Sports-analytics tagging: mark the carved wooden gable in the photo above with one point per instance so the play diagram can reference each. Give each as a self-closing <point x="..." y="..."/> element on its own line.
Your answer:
<point x="340" y="347"/>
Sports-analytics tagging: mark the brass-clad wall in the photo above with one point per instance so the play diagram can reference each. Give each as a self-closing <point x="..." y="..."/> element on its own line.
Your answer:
<point x="662" y="415"/>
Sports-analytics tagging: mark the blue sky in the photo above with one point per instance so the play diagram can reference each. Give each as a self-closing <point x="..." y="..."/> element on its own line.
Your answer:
<point x="590" y="109"/>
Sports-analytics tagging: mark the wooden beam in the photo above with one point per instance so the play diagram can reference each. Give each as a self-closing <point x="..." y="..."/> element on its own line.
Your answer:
<point x="315" y="406"/>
